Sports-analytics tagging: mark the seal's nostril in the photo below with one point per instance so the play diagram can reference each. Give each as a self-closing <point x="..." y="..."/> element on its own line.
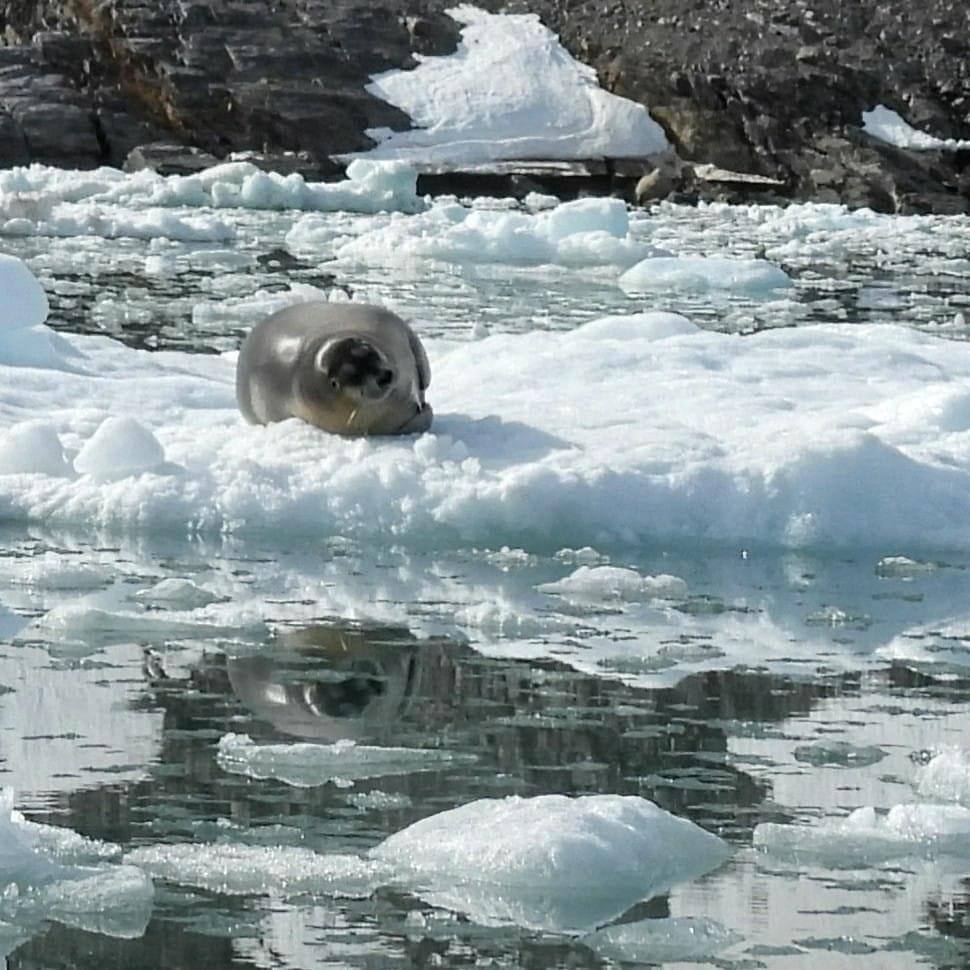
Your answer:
<point x="385" y="377"/>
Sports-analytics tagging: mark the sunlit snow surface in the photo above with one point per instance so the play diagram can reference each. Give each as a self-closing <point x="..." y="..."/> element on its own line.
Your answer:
<point x="510" y="91"/>
<point x="700" y="543"/>
<point x="889" y="126"/>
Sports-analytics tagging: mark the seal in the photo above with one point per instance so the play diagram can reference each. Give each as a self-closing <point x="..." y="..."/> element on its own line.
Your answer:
<point x="348" y="368"/>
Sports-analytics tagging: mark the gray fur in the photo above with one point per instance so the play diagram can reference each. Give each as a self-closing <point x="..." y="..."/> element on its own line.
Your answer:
<point x="347" y="368"/>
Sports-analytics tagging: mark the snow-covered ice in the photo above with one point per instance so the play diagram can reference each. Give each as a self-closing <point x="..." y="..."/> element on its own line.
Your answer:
<point x="550" y="862"/>
<point x="305" y="765"/>
<point x="510" y="91"/>
<point x="889" y="126"/>
<point x="43" y="201"/>
<point x="615" y="582"/>
<point x="581" y="233"/>
<point x="834" y="435"/>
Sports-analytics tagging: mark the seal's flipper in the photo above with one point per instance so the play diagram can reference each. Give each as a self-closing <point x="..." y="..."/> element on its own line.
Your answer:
<point x="420" y="423"/>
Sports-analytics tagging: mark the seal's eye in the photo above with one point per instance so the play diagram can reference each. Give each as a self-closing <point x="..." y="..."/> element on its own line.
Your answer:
<point x="334" y="383"/>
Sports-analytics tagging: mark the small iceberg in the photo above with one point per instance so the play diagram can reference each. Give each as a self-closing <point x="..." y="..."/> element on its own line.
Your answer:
<point x="46" y="874"/>
<point x="946" y="777"/>
<point x="700" y="274"/>
<point x="549" y="862"/>
<point x="867" y="837"/>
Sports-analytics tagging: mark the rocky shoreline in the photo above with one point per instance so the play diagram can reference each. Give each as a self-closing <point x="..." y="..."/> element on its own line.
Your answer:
<point x="761" y="101"/>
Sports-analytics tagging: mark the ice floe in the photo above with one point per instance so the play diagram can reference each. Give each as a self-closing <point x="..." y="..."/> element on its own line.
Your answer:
<point x="45" y="201"/>
<point x="238" y="869"/>
<point x="889" y="126"/>
<point x="659" y="941"/>
<point x="947" y="777"/>
<point x="698" y="274"/>
<point x="828" y="435"/>
<point x="305" y="765"/>
<point x="510" y="91"/>
<point x="867" y="836"/>
<point x="581" y="233"/>
<point x="549" y="861"/>
<point x="615" y="582"/>
<point x="47" y="873"/>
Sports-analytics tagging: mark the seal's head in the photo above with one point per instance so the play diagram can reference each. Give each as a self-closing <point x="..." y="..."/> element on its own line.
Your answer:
<point x="341" y="382"/>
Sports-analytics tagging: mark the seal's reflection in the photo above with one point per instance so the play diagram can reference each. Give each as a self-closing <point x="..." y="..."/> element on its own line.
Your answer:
<point x="328" y="683"/>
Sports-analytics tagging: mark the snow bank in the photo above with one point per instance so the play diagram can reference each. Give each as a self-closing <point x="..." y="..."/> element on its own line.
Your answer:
<point x="45" y="201"/>
<point x="585" y="232"/>
<point x="549" y="861"/>
<point x="305" y="765"/>
<point x="888" y="126"/>
<point x="699" y="274"/>
<point x="648" y="428"/>
<point x="867" y="837"/>
<point x="41" y="878"/>
<point x="510" y="91"/>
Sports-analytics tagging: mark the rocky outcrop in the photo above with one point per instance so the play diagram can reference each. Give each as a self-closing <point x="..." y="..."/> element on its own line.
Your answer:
<point x="772" y="90"/>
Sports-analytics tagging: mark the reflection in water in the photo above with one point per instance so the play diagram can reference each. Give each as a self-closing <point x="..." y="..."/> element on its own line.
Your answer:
<point x="534" y="727"/>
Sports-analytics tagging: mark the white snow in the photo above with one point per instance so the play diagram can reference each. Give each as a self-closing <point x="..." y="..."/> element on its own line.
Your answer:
<point x="947" y="777"/>
<point x="698" y="274"/>
<point x="24" y="300"/>
<point x="32" y="447"/>
<point x="549" y="861"/>
<point x="584" y="232"/>
<point x="510" y="91"/>
<point x="888" y="126"/>
<point x="649" y="427"/>
<point x="121" y="447"/>
<point x="866" y="836"/>
<point x="306" y="765"/>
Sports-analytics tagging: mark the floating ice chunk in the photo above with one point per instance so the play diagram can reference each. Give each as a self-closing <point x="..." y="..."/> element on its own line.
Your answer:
<point x="305" y="765"/>
<point x="84" y="626"/>
<point x="121" y="447"/>
<point x="24" y="302"/>
<point x="660" y="941"/>
<point x="888" y="126"/>
<point x="509" y="91"/>
<point x="36" y="886"/>
<point x="902" y="567"/>
<point x="585" y="232"/>
<point x="33" y="447"/>
<point x="699" y="274"/>
<point x="868" y="837"/>
<point x="839" y="753"/>
<point x="176" y="594"/>
<point x="244" y="870"/>
<point x="616" y="583"/>
<point x="647" y="326"/>
<point x="379" y="801"/>
<point x="947" y="777"/>
<point x="549" y="862"/>
<point x="586" y="556"/>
